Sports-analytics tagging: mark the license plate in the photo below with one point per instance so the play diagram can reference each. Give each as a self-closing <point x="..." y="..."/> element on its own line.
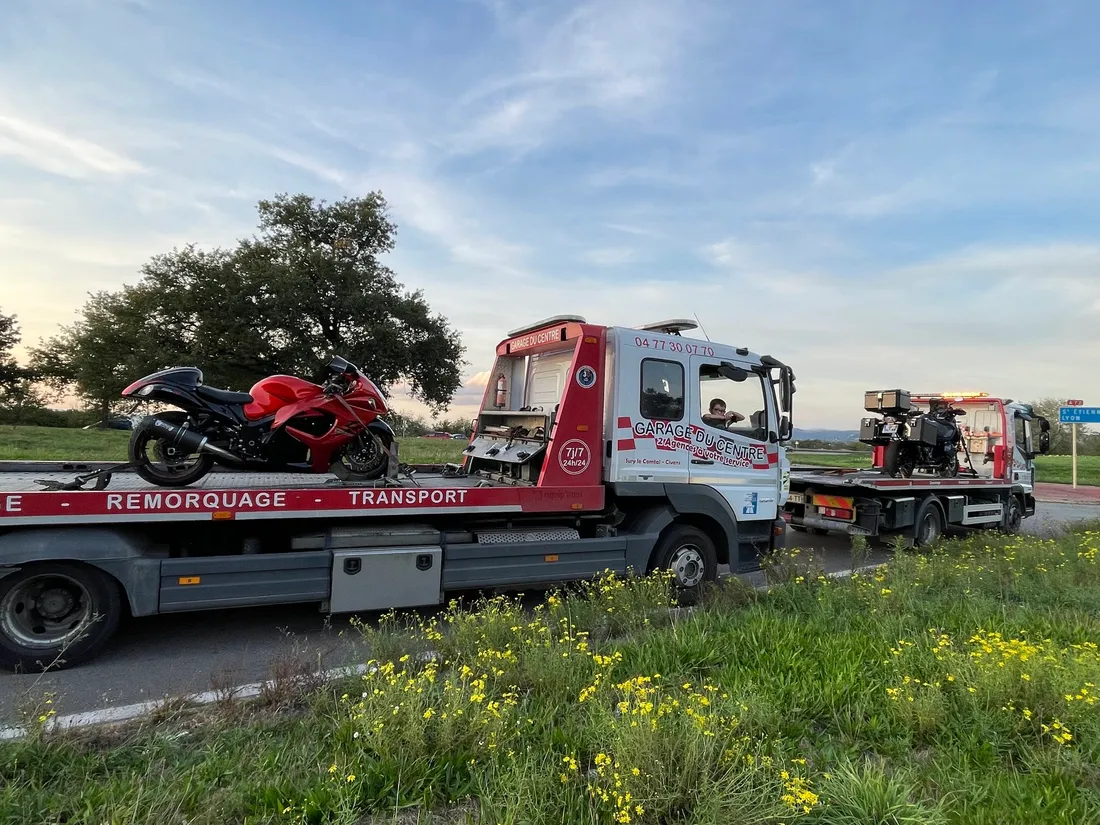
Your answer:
<point x="889" y="429"/>
<point x="796" y="498"/>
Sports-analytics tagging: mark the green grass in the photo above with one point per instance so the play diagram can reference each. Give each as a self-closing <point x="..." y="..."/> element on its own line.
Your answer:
<point x="60" y="444"/>
<point x="57" y="443"/>
<point x="955" y="686"/>
<point x="1058" y="469"/>
<point x="831" y="459"/>
<point x="1055" y="469"/>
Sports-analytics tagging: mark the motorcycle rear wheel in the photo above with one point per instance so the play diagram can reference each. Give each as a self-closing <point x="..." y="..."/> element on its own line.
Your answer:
<point x="365" y="459"/>
<point x="896" y="462"/>
<point x="949" y="469"/>
<point x="164" y="475"/>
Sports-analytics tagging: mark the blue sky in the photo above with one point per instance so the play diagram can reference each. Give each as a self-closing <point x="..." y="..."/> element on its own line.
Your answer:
<point x="881" y="194"/>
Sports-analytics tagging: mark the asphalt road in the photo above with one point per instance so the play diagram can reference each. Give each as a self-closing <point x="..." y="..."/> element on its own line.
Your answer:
<point x="162" y="656"/>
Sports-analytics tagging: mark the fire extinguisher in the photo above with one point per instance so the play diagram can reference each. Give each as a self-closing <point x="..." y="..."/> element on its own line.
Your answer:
<point x="501" y="389"/>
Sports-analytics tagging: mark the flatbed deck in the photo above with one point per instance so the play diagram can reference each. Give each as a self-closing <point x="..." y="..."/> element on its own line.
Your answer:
<point x="876" y="480"/>
<point x="227" y="496"/>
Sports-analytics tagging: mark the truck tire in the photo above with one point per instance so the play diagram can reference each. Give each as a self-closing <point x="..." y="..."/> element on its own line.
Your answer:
<point x="689" y="553"/>
<point x="1014" y="516"/>
<point x="55" y="615"/>
<point x="929" y="524"/>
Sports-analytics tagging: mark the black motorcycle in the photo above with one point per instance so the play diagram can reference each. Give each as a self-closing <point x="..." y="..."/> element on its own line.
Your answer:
<point x="927" y="442"/>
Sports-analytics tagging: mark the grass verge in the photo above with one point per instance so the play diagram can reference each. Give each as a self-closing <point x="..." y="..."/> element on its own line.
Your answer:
<point x="61" y="444"/>
<point x="1055" y="469"/>
<point x="58" y="444"/>
<point x="955" y="686"/>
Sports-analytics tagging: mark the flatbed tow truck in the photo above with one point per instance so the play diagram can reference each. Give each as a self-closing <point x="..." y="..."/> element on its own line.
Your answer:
<point x="994" y="490"/>
<point x="593" y="450"/>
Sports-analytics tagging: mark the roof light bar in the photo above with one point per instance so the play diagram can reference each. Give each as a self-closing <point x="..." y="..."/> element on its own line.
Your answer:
<point x="963" y="394"/>
<point x="673" y="326"/>
<point x="545" y="322"/>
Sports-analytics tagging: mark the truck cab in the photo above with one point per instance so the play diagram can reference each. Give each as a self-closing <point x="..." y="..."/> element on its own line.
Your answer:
<point x="630" y="409"/>
<point x="661" y="424"/>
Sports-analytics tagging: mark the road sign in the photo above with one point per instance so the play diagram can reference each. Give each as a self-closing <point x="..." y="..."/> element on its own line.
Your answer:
<point x="1073" y="415"/>
<point x="1079" y="415"/>
<point x="1075" y="402"/>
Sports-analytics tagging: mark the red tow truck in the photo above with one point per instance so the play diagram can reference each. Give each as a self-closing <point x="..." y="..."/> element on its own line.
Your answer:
<point x="994" y="488"/>
<point x="595" y="448"/>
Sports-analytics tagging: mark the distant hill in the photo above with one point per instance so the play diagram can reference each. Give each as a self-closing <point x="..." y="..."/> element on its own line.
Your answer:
<point x="826" y="435"/>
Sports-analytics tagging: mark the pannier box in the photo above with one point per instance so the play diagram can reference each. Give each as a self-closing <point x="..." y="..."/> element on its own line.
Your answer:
<point x="889" y="402"/>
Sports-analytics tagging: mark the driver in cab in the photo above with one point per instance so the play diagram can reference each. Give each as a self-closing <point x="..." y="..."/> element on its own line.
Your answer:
<point x="718" y="417"/>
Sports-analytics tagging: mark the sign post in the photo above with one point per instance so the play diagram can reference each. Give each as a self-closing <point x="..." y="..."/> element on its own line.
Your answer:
<point x="1073" y="414"/>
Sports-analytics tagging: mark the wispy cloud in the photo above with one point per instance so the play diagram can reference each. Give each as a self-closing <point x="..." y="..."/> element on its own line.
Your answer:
<point x="613" y="57"/>
<point x="51" y="150"/>
<point x="627" y="159"/>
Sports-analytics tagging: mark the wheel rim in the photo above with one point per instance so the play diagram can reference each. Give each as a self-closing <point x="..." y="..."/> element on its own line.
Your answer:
<point x="365" y="455"/>
<point x="45" y="611"/>
<point x="163" y="458"/>
<point x="688" y="566"/>
<point x="929" y="529"/>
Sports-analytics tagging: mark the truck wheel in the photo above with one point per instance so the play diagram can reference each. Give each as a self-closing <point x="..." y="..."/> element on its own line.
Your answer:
<point x="689" y="553"/>
<point x="56" y="615"/>
<point x="1014" y="516"/>
<point x="929" y="524"/>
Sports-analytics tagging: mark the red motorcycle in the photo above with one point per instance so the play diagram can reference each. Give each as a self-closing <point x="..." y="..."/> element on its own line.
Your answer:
<point x="283" y="424"/>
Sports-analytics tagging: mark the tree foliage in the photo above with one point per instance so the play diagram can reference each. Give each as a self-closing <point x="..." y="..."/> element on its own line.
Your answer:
<point x="1061" y="435"/>
<point x="308" y="286"/>
<point x="9" y="337"/>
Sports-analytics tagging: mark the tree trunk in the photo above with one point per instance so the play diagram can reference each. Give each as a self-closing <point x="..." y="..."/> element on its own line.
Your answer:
<point x="104" y="412"/>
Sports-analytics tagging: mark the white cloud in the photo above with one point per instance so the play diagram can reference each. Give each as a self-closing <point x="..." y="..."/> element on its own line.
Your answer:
<point x="55" y="152"/>
<point x="435" y="210"/>
<point x="612" y="56"/>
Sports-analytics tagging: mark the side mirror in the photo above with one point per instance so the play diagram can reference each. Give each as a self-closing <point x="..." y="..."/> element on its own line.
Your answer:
<point x="1044" y="440"/>
<point x="786" y="388"/>
<point x="785" y="429"/>
<point x="1044" y="426"/>
<point x="728" y="370"/>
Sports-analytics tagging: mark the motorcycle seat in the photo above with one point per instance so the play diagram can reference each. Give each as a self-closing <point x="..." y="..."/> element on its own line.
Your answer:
<point x="224" y="396"/>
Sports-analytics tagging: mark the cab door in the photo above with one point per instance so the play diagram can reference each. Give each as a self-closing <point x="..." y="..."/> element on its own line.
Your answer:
<point x="650" y="419"/>
<point x="736" y="457"/>
<point x="1021" y="447"/>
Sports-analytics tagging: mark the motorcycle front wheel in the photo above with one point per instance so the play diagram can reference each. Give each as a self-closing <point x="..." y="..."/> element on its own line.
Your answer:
<point x="163" y="464"/>
<point x="950" y="469"/>
<point x="897" y="462"/>
<point x="365" y="459"/>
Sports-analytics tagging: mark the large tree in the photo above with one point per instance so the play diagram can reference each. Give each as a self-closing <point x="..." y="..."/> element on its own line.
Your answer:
<point x="9" y="337"/>
<point x="1061" y="441"/>
<point x="310" y="285"/>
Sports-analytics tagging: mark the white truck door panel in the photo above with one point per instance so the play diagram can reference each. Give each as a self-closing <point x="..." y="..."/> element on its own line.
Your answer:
<point x="735" y="459"/>
<point x="650" y="409"/>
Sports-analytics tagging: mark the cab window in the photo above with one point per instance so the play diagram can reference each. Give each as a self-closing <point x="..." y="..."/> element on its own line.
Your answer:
<point x="733" y="406"/>
<point x="662" y="397"/>
<point x="1023" y="435"/>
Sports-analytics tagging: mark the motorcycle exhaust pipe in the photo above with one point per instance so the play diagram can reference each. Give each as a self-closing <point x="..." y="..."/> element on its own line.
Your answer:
<point x="187" y="440"/>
